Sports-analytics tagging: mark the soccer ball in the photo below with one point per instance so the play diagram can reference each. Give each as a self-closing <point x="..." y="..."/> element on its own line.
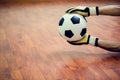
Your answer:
<point x="72" y="27"/>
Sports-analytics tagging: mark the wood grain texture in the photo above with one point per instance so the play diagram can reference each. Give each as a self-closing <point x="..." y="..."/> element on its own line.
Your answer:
<point x="32" y="49"/>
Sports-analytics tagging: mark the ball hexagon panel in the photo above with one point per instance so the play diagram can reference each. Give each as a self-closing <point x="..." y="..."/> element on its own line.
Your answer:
<point x="69" y="33"/>
<point x="75" y="20"/>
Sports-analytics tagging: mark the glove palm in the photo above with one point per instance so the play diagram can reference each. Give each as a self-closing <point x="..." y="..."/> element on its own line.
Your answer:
<point x="87" y="39"/>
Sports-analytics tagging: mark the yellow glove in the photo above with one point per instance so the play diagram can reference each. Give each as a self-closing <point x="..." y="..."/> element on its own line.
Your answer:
<point x="84" y="11"/>
<point x="87" y="39"/>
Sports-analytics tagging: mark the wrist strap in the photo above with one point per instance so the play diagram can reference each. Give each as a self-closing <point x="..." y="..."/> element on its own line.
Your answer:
<point x="97" y="10"/>
<point x="94" y="11"/>
<point x="93" y="41"/>
<point x="96" y="42"/>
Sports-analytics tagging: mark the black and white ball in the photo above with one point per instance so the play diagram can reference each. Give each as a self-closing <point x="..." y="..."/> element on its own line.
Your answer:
<point x="72" y="27"/>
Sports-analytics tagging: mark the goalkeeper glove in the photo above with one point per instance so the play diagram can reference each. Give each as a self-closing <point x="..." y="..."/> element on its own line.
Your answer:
<point x="87" y="39"/>
<point x="84" y="11"/>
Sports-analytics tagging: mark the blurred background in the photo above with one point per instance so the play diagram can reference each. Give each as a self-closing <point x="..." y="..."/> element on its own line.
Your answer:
<point x="10" y="1"/>
<point x="32" y="49"/>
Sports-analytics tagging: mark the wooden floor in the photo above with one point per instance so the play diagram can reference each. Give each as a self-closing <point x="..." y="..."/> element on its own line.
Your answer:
<point x="32" y="49"/>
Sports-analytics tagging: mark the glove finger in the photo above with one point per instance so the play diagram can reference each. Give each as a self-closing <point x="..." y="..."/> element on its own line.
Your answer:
<point x="85" y="14"/>
<point x="74" y="10"/>
<point x="68" y="10"/>
<point x="71" y="10"/>
<point x="74" y="43"/>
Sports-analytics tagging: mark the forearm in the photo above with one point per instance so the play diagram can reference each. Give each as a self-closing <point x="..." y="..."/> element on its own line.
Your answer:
<point x="113" y="10"/>
<point x="109" y="45"/>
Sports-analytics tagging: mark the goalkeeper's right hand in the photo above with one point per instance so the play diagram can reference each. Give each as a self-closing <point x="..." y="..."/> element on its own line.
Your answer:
<point x="84" y="11"/>
<point x="87" y="39"/>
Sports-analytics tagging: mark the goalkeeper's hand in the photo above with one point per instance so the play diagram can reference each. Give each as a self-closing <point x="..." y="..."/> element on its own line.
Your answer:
<point x="84" y="11"/>
<point x="87" y="39"/>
